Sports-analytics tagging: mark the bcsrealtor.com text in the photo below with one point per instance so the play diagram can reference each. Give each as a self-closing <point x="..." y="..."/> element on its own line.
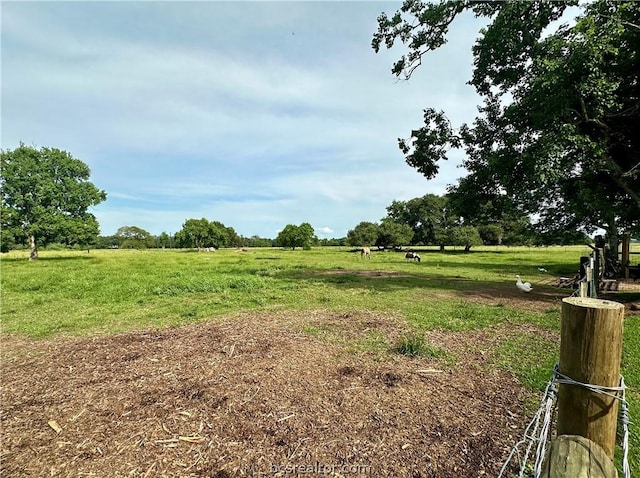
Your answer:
<point x="317" y="468"/>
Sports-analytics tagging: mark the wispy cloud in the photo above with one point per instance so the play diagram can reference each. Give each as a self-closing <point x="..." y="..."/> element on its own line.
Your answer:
<point x="255" y="114"/>
<point x="324" y="230"/>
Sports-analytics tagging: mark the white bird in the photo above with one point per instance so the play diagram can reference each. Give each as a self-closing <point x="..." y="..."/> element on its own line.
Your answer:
<point x="525" y="287"/>
<point x="542" y="269"/>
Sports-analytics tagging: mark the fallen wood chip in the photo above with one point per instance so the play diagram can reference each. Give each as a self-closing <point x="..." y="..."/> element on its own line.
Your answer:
<point x="79" y="415"/>
<point x="286" y="418"/>
<point x="429" y="370"/>
<point x="229" y="350"/>
<point x="251" y="397"/>
<point x="164" y="442"/>
<point x="53" y="424"/>
<point x="149" y="470"/>
<point x="195" y="439"/>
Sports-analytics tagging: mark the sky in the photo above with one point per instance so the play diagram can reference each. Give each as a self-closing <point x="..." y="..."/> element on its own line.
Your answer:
<point x="254" y="114"/>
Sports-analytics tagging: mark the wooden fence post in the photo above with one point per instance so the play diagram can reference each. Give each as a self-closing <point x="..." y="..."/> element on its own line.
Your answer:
<point x="626" y="250"/>
<point x="572" y="456"/>
<point x="590" y="352"/>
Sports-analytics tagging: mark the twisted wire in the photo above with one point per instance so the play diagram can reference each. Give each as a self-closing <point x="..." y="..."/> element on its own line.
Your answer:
<point x="538" y="429"/>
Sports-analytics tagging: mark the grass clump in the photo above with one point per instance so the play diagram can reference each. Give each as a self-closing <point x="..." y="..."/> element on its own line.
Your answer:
<point x="317" y="330"/>
<point x="414" y="345"/>
<point x="411" y="345"/>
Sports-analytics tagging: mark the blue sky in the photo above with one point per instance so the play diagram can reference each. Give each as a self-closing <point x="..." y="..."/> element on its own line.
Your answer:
<point x="255" y="114"/>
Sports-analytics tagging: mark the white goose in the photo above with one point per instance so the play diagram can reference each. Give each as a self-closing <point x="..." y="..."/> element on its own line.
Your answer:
<point x="525" y="287"/>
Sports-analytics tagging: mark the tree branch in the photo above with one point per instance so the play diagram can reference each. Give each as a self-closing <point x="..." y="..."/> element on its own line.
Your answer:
<point x="622" y="22"/>
<point x="629" y="173"/>
<point x="588" y="120"/>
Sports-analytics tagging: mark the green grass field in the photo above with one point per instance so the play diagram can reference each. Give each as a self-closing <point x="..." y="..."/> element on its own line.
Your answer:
<point x="105" y="292"/>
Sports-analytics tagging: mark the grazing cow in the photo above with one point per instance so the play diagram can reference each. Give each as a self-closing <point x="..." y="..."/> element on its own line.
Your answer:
<point x="412" y="255"/>
<point x="365" y="252"/>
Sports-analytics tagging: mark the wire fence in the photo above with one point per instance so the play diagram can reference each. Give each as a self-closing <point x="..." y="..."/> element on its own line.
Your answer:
<point x="528" y="454"/>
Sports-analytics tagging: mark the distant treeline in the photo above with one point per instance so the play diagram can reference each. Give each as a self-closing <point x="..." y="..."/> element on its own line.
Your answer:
<point x="430" y="220"/>
<point x="177" y="241"/>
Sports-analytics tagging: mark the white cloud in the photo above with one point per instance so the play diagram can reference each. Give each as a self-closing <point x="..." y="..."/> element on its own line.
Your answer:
<point x="324" y="230"/>
<point x="254" y="114"/>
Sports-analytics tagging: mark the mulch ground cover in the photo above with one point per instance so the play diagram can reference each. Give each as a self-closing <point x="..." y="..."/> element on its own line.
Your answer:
<point x="265" y="394"/>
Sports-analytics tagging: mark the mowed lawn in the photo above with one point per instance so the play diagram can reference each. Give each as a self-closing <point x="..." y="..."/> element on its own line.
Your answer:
<point x="105" y="292"/>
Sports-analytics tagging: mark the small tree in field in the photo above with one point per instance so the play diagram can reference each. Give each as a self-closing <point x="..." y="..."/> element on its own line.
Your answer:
<point x="392" y="234"/>
<point x="45" y="197"/>
<point x="163" y="240"/>
<point x="364" y="234"/>
<point x="133" y="237"/>
<point x="491" y="234"/>
<point x="466" y="236"/>
<point x="297" y="236"/>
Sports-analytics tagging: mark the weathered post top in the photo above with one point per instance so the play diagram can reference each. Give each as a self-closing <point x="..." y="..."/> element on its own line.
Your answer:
<point x="593" y="303"/>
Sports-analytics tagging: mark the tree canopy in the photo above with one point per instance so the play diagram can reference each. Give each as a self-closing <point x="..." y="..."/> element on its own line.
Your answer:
<point x="556" y="136"/>
<point x="45" y="197"/>
<point x="466" y="236"/>
<point x="424" y="215"/>
<point x="389" y="233"/>
<point x="134" y="237"/>
<point x="201" y="233"/>
<point x="364" y="234"/>
<point x="297" y="236"/>
<point x="393" y="234"/>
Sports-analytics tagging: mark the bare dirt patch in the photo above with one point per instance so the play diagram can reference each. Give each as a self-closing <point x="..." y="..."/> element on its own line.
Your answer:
<point x="255" y="395"/>
<point x="542" y="298"/>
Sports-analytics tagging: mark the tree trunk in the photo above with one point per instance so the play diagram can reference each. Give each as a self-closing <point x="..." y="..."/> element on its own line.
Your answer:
<point x="33" y="254"/>
<point x="613" y="240"/>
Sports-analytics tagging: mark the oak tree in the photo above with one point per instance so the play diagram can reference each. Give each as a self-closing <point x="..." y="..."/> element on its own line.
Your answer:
<point x="364" y="234"/>
<point x="557" y="131"/>
<point x="424" y="215"/>
<point x="297" y="236"/>
<point x="393" y="234"/>
<point x="46" y="195"/>
<point x="134" y="237"/>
